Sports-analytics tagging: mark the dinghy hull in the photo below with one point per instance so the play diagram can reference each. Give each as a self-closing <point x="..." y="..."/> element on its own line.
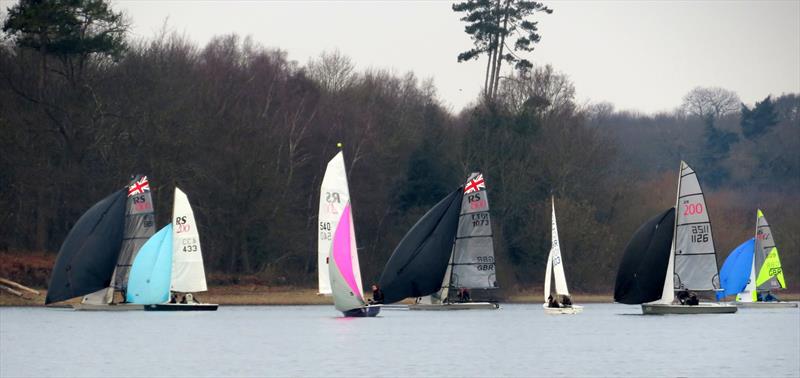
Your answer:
<point x="703" y="308"/>
<point x="364" y="312"/>
<point x="454" y="306"/>
<point x="108" y="307"/>
<point x="181" y="307"/>
<point x="765" y="304"/>
<point x="574" y="309"/>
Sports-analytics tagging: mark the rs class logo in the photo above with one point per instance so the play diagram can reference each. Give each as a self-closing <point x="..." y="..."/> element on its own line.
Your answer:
<point x="331" y="197"/>
<point x="775" y="271"/>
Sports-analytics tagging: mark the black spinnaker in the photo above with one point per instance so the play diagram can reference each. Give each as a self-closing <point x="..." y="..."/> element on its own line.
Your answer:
<point x="419" y="261"/>
<point x="89" y="254"/>
<point x="640" y="278"/>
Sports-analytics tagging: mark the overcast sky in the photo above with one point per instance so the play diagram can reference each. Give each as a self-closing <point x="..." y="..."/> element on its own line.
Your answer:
<point x="638" y="55"/>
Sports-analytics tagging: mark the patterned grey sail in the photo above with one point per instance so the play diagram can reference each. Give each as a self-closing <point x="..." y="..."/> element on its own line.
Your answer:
<point x="473" y="264"/>
<point x="139" y="226"/>
<point x="695" y="256"/>
<point x="764" y="245"/>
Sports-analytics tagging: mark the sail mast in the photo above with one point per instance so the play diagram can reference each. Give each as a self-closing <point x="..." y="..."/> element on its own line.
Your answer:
<point x="668" y="293"/>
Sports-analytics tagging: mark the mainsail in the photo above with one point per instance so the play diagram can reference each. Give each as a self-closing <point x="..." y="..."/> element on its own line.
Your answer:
<point x="149" y="279"/>
<point x="640" y="278"/>
<point x="419" y="261"/>
<point x="334" y="194"/>
<point x="139" y="226"/>
<point x="473" y="263"/>
<point x="188" y="273"/>
<point x="345" y="273"/>
<point x="88" y="255"/>
<point x="695" y="256"/>
<point x="555" y="266"/>
<point x="737" y="270"/>
<point x="769" y="274"/>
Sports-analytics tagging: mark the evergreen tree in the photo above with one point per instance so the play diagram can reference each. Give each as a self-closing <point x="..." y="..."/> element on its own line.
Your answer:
<point x="757" y="121"/>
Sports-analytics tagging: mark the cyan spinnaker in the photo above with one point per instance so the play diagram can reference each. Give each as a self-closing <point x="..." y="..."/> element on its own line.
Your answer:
<point x="150" y="274"/>
<point x="736" y="270"/>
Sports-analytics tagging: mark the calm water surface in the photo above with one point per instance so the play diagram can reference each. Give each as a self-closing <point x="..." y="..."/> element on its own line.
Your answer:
<point x="517" y="340"/>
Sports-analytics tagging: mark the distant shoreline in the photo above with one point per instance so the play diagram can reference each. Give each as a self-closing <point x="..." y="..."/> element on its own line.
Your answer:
<point x="256" y="295"/>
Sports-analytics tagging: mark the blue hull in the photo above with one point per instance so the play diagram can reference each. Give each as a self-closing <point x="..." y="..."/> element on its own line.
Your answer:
<point x="364" y="312"/>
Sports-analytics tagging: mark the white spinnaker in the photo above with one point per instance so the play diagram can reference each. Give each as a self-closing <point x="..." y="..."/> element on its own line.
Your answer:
<point x="188" y="273"/>
<point x="556" y="261"/>
<point x="333" y="195"/>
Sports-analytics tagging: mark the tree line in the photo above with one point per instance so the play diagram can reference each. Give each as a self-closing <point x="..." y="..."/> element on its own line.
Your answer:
<point x="246" y="133"/>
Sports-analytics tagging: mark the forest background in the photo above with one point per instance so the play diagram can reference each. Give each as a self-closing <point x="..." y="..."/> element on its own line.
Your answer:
<point x="246" y="133"/>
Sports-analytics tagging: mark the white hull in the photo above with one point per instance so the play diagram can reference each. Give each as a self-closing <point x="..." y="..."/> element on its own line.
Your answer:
<point x="454" y="306"/>
<point x="108" y="307"/>
<point x="765" y="304"/>
<point x="574" y="309"/>
<point x="703" y="308"/>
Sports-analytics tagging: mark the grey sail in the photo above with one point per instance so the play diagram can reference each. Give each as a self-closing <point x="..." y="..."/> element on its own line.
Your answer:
<point x="473" y="263"/>
<point x="695" y="256"/>
<point x="764" y="244"/>
<point x="139" y="226"/>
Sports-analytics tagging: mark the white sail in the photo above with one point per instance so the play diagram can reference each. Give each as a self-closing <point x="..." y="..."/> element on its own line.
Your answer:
<point x="555" y="259"/>
<point x="694" y="253"/>
<point x="334" y="194"/>
<point x="548" y="275"/>
<point x="188" y="274"/>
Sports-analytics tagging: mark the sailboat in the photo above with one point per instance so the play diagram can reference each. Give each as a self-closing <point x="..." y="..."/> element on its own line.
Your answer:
<point x="170" y="264"/>
<point x="754" y="269"/>
<point x="96" y="256"/>
<point x="671" y="256"/>
<point x="341" y="262"/>
<point x="555" y="267"/>
<point x="450" y="249"/>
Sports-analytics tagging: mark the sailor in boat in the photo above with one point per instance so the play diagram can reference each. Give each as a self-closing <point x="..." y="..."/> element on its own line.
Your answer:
<point x="552" y="303"/>
<point x="463" y="295"/>
<point x="767" y="297"/>
<point x="377" y="295"/>
<point x="565" y="301"/>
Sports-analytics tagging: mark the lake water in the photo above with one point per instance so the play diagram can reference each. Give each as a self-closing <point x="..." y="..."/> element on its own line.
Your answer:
<point x="517" y="340"/>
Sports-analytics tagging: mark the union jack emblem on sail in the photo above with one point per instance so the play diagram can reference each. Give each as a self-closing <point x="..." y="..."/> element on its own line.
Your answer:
<point x="139" y="187"/>
<point x="475" y="184"/>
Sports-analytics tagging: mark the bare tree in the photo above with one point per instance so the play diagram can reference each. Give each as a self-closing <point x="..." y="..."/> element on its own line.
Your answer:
<point x="332" y="70"/>
<point x="710" y="103"/>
